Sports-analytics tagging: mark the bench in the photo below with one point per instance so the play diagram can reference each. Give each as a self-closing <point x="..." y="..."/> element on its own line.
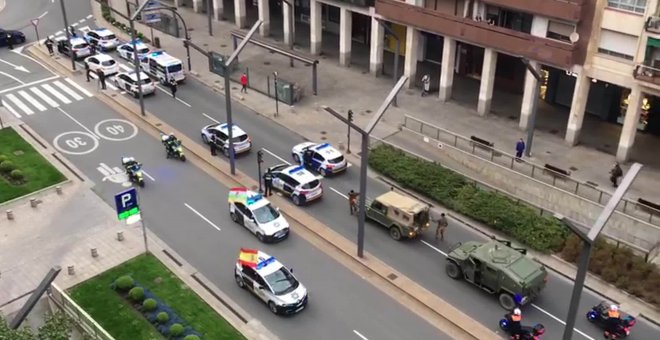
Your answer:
<point x="482" y="143"/>
<point x="556" y="171"/>
<point x="648" y="206"/>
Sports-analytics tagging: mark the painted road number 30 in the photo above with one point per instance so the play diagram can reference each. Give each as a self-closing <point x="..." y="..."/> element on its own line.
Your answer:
<point x="75" y="143"/>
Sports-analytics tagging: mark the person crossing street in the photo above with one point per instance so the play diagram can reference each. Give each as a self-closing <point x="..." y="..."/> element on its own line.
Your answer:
<point x="173" y="86"/>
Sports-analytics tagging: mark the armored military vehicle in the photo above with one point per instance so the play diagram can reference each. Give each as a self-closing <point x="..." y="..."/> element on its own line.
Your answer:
<point x="403" y="216"/>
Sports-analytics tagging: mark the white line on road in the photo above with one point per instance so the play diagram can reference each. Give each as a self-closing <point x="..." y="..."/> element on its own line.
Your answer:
<point x="17" y="51"/>
<point x="338" y="193"/>
<point x="28" y="84"/>
<point x="360" y="335"/>
<point x="44" y="96"/>
<point x="177" y="98"/>
<point x="20" y="104"/>
<point x="31" y="100"/>
<point x="202" y="216"/>
<point x="67" y="90"/>
<point x="74" y="24"/>
<point x="58" y="32"/>
<point x="13" y="78"/>
<point x="434" y="248"/>
<point x="42" y="15"/>
<point x="89" y="16"/>
<point x="80" y="88"/>
<point x="211" y="118"/>
<point x="276" y="156"/>
<point x="55" y="93"/>
<point x="146" y="174"/>
<point x="79" y="123"/>
<point x="11" y="109"/>
<point x="81" y="20"/>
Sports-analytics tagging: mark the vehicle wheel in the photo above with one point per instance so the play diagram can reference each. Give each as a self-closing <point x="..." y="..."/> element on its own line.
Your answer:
<point x="239" y="281"/>
<point x="183" y="158"/>
<point x="261" y="237"/>
<point x="395" y="233"/>
<point x="205" y="139"/>
<point x="591" y="316"/>
<point x="225" y="151"/>
<point x="452" y="270"/>
<point x="142" y="184"/>
<point x="506" y="301"/>
<point x="296" y="158"/>
<point x="272" y="307"/>
<point x="234" y="217"/>
<point x="296" y="200"/>
<point x="504" y="325"/>
<point x="116" y="83"/>
<point x="136" y="94"/>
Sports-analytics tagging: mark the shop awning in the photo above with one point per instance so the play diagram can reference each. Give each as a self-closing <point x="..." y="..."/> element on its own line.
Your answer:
<point x="653" y="42"/>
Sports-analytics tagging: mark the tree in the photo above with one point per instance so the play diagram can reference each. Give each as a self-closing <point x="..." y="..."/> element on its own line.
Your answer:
<point x="57" y="327"/>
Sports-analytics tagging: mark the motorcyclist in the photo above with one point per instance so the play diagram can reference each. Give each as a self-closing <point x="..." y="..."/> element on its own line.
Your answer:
<point x="516" y="327"/>
<point x="613" y="320"/>
<point x="171" y="142"/>
<point x="130" y="164"/>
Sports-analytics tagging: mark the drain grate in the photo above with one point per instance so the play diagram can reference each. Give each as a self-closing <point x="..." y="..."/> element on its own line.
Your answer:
<point x="392" y="276"/>
<point x="573" y="168"/>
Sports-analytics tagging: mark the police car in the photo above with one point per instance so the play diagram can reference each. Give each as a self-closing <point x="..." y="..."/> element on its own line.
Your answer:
<point x="126" y="50"/>
<point x="325" y="159"/>
<point x="294" y="181"/>
<point x="103" y="38"/>
<point x="74" y="47"/>
<point x="162" y="66"/>
<point x="102" y="62"/>
<point x="255" y="213"/>
<point x="219" y="133"/>
<point x="270" y="281"/>
<point x="128" y="81"/>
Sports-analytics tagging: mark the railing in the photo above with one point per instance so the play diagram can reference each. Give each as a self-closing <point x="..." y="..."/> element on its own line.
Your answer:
<point x="79" y="316"/>
<point x="652" y="24"/>
<point x="585" y="190"/>
<point x="646" y="253"/>
<point x="647" y="74"/>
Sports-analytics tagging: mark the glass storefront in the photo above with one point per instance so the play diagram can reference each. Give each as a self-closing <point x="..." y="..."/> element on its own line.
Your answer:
<point x="643" y="117"/>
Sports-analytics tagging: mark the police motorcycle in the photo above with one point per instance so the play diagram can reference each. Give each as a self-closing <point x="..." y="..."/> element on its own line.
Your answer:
<point x="526" y="332"/>
<point x="173" y="146"/>
<point x="133" y="170"/>
<point x="598" y="315"/>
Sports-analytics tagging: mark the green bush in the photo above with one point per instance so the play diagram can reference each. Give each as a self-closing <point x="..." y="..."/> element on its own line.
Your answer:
<point x="176" y="329"/>
<point x="17" y="175"/>
<point x="545" y="234"/>
<point x="162" y="317"/>
<point x="3" y="158"/>
<point x="191" y="337"/>
<point x="124" y="283"/>
<point x="149" y="305"/>
<point x="7" y="166"/>
<point x="136" y="294"/>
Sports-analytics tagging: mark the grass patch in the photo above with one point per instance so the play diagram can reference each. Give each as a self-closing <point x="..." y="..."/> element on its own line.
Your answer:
<point x="123" y="322"/>
<point x="38" y="173"/>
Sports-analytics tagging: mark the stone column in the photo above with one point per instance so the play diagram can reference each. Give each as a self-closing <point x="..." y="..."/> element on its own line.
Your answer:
<point x="410" y="61"/>
<point x="345" y="36"/>
<point x="315" y="27"/>
<point x="528" y="97"/>
<point x="264" y="15"/>
<point x="447" y="71"/>
<point x="239" y="13"/>
<point x="578" y="107"/>
<point x="218" y="10"/>
<point x="288" y="14"/>
<point x="198" y="5"/>
<point x="177" y="3"/>
<point x="630" y="123"/>
<point x="487" y="81"/>
<point x="377" y="45"/>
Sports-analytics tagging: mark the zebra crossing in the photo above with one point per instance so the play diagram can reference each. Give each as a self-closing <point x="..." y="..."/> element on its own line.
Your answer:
<point x="41" y="97"/>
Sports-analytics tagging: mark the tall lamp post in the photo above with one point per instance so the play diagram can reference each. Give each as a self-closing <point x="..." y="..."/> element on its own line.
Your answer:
<point x="535" y="103"/>
<point x="364" y="155"/>
<point x="588" y="241"/>
<point x="68" y="34"/>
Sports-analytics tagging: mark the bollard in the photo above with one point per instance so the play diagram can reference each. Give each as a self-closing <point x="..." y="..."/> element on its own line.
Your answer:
<point x="71" y="270"/>
<point x="58" y="190"/>
<point x="10" y="215"/>
<point x="120" y="236"/>
<point x="33" y="202"/>
<point x="95" y="252"/>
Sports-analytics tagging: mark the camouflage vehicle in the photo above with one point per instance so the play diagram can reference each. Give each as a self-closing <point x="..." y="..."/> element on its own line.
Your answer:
<point x="401" y="215"/>
<point x="498" y="268"/>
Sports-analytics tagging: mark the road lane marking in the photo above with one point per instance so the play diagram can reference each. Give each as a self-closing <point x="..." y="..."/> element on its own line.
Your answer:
<point x="13" y="78"/>
<point x="11" y="109"/>
<point x="28" y="84"/>
<point x="80" y="88"/>
<point x="202" y="216"/>
<point x="45" y="97"/>
<point x="360" y="335"/>
<point x="42" y="15"/>
<point x="276" y="156"/>
<point x="338" y="193"/>
<point x="55" y="93"/>
<point x="81" y="20"/>
<point x="125" y="68"/>
<point x="211" y="118"/>
<point x="146" y="174"/>
<point x="19" y="103"/>
<point x="32" y="101"/>
<point x="434" y="248"/>
<point x="177" y="98"/>
<point x="89" y="16"/>
<point x="70" y="92"/>
<point x="74" y="24"/>
<point x="79" y="123"/>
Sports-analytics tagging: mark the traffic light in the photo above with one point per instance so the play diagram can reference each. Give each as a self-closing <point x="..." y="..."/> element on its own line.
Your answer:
<point x="260" y="156"/>
<point x="350" y="115"/>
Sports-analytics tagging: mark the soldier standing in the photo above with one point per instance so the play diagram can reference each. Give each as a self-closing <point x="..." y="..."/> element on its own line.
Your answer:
<point x="442" y="225"/>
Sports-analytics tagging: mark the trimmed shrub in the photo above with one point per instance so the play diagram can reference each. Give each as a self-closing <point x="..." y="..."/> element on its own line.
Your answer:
<point x="17" y="175"/>
<point x="191" y="337"/>
<point x="523" y="223"/>
<point x="136" y="294"/>
<point x="7" y="166"/>
<point x="124" y="283"/>
<point x="162" y="317"/>
<point x="149" y="305"/>
<point x="3" y="158"/>
<point x="176" y="329"/>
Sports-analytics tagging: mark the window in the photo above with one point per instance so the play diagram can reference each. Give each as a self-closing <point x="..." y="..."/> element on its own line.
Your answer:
<point x="637" y="6"/>
<point x="560" y="31"/>
<point x="617" y="44"/>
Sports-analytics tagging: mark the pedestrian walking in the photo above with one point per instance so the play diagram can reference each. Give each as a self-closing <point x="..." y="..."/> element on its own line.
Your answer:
<point x="10" y="41"/>
<point x="426" y="84"/>
<point x="352" y="201"/>
<point x="244" y="83"/>
<point x="520" y="148"/>
<point x="268" y="183"/>
<point x="101" y="79"/>
<point x="72" y="31"/>
<point x="615" y="174"/>
<point x="173" y="86"/>
<point x="213" y="146"/>
<point x="87" y="72"/>
<point x="49" y="46"/>
<point x="442" y="225"/>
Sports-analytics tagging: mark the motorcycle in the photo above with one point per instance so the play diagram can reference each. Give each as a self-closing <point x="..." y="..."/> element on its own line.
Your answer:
<point x="598" y="315"/>
<point x="176" y="150"/>
<point x="134" y="171"/>
<point x="527" y="333"/>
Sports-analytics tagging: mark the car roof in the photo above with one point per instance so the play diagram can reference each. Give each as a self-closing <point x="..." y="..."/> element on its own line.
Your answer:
<point x="327" y="150"/>
<point x="223" y="127"/>
<point x="299" y="173"/>
<point x="102" y="56"/>
<point x="77" y="40"/>
<point x="163" y="57"/>
<point x="138" y="44"/>
<point x="265" y="264"/>
<point x="133" y="76"/>
<point x="505" y="258"/>
<point x="103" y="31"/>
<point x="405" y="203"/>
<point x="249" y="198"/>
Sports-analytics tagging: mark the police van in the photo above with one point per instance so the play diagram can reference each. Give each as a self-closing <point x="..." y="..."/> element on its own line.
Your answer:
<point x="162" y="66"/>
<point x="255" y="213"/>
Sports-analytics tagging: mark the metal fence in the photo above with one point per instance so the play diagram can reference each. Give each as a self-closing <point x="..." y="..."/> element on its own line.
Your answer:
<point x="646" y="253"/>
<point x="85" y="322"/>
<point x="288" y="92"/>
<point x="585" y="190"/>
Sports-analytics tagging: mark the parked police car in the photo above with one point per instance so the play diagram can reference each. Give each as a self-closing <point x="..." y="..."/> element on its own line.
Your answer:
<point x="270" y="281"/>
<point x="128" y="81"/>
<point x="103" y="38"/>
<point x="324" y="158"/>
<point x="126" y="50"/>
<point x="255" y="213"/>
<point x="296" y="182"/>
<point x="219" y="133"/>
<point x="162" y="66"/>
<point x="102" y="62"/>
<point x="74" y="47"/>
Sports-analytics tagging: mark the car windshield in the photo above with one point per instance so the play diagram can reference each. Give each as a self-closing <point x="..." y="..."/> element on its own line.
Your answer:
<point x="174" y="68"/>
<point x="240" y="138"/>
<point x="311" y="185"/>
<point x="266" y="214"/>
<point x="336" y="160"/>
<point x="109" y="37"/>
<point x="143" y="50"/>
<point x="81" y="45"/>
<point x="108" y="63"/>
<point x="282" y="282"/>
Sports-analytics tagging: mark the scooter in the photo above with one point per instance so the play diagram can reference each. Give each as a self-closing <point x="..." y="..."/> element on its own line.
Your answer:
<point x="527" y="333"/>
<point x="598" y="315"/>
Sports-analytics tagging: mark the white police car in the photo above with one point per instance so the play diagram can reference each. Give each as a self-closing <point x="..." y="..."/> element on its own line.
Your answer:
<point x="324" y="158"/>
<point x="75" y="47"/>
<point x="219" y="134"/>
<point x="255" y="213"/>
<point x="270" y="281"/>
<point x="125" y="51"/>
<point x="102" y="62"/>
<point x="128" y="81"/>
<point x="294" y="181"/>
<point x="103" y="38"/>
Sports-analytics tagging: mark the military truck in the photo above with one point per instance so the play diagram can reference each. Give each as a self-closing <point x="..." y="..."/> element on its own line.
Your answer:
<point x="403" y="216"/>
<point x="498" y="268"/>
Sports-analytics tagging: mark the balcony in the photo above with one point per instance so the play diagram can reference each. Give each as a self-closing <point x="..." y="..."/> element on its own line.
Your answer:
<point x="653" y="24"/>
<point x="569" y="10"/>
<point x="551" y="52"/>
<point x="647" y="74"/>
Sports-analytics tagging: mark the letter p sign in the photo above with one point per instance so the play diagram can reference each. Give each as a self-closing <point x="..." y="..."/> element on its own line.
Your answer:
<point x="127" y="203"/>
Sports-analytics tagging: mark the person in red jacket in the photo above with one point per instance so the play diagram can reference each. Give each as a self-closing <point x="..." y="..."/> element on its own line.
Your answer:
<point x="244" y="83"/>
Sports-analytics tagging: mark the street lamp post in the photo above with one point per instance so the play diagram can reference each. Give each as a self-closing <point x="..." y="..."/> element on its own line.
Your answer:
<point x="535" y="103"/>
<point x="364" y="155"/>
<point x="348" y="135"/>
<point x="68" y="34"/>
<point x="260" y="159"/>
<point x="588" y="241"/>
<point x="277" y="98"/>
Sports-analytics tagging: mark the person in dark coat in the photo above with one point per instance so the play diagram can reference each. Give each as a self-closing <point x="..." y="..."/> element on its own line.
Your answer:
<point x="173" y="86"/>
<point x="615" y="174"/>
<point x="87" y="72"/>
<point x="101" y="79"/>
<point x="307" y="158"/>
<point x="520" y="148"/>
<point x="353" y="201"/>
<point x="49" y="46"/>
<point x="268" y="183"/>
<point x="10" y="41"/>
<point x="213" y="146"/>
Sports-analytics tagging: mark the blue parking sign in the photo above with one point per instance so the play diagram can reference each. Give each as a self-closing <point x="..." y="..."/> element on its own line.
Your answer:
<point x="127" y="203"/>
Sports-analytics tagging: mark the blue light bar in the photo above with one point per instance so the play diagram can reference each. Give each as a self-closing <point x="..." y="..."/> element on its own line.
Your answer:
<point x="322" y="146"/>
<point x="296" y="169"/>
<point x="157" y="53"/>
<point x="223" y="126"/>
<point x="254" y="198"/>
<point x="266" y="262"/>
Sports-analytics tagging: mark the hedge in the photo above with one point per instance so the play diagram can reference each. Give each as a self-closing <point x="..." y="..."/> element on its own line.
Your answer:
<point x="542" y="233"/>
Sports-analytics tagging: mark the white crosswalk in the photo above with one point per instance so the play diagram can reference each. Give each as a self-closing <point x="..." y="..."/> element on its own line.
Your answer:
<point x="41" y="97"/>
